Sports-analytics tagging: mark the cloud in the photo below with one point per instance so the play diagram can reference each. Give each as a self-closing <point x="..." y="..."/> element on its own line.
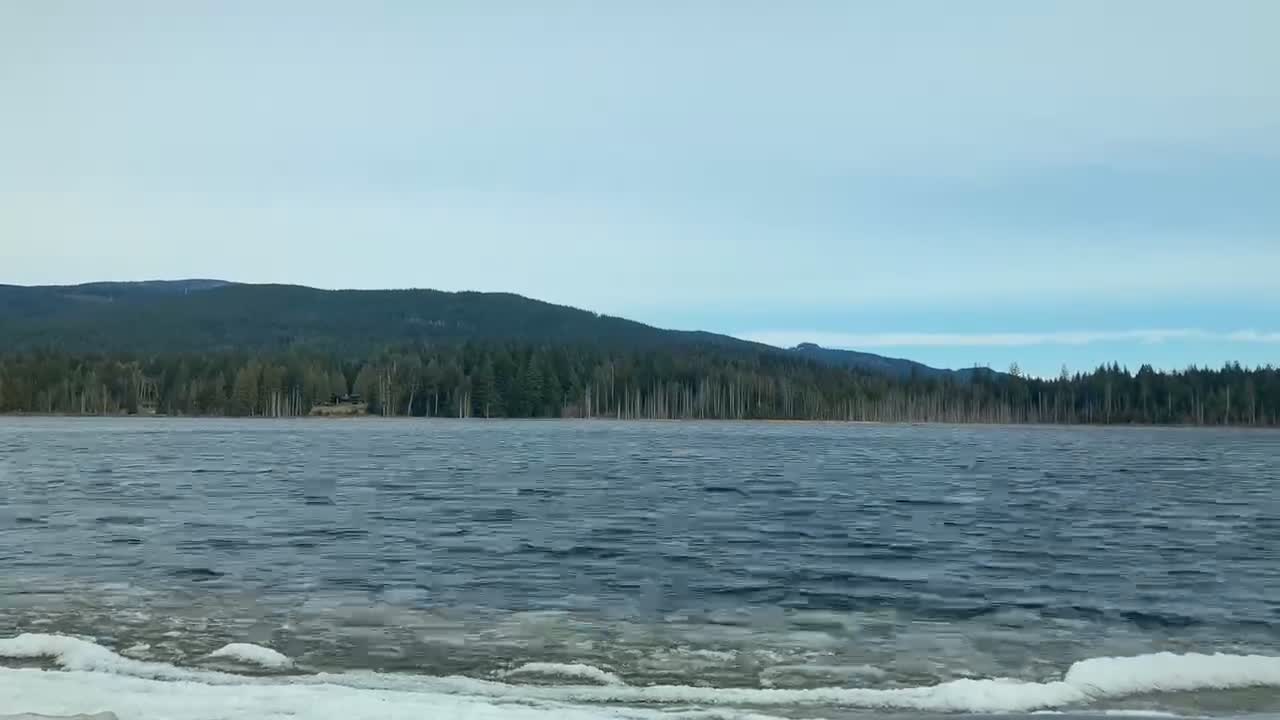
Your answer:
<point x="789" y="338"/>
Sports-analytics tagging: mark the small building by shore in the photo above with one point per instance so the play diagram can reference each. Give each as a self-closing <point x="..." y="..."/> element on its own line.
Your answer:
<point x="341" y="405"/>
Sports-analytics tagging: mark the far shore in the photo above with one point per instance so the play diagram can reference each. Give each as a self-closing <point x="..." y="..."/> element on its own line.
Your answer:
<point x="769" y="421"/>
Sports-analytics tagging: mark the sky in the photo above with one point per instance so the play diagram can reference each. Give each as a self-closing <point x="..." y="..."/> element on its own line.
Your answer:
<point x="1046" y="183"/>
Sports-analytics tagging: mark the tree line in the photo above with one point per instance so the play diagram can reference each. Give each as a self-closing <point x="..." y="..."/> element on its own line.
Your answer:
<point x="493" y="380"/>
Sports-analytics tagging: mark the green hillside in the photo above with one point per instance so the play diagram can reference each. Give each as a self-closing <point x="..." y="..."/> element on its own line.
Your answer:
<point x="210" y="316"/>
<point x="205" y="347"/>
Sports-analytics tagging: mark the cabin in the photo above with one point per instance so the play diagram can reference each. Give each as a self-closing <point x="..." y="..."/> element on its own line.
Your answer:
<point x="341" y="405"/>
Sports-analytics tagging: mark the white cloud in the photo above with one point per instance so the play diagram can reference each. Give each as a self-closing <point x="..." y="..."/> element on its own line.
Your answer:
<point x="789" y="338"/>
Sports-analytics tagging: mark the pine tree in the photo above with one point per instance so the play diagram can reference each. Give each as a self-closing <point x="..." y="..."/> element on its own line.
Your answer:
<point x="245" y="391"/>
<point x="483" y="391"/>
<point x="532" y="388"/>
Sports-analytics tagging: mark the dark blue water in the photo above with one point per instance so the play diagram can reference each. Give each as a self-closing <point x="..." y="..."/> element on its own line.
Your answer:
<point x="718" y="554"/>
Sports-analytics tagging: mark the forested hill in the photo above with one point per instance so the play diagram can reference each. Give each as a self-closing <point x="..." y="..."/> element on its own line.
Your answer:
<point x="896" y="367"/>
<point x="205" y="347"/>
<point x="215" y="316"/>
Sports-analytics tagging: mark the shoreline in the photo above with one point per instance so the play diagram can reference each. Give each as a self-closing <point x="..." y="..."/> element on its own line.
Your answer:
<point x="767" y="421"/>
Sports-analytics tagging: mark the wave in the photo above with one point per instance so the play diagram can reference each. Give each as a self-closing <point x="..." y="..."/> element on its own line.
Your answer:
<point x="76" y="654"/>
<point x="563" y="670"/>
<point x="254" y="655"/>
<point x="769" y="676"/>
<point x="1146" y="714"/>
<point x="75" y="693"/>
<point x="1085" y="682"/>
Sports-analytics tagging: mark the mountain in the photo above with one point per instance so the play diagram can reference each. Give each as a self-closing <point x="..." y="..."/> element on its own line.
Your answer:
<point x="896" y="367"/>
<point x="203" y="315"/>
<point x="214" y="315"/>
<point x="209" y="347"/>
<point x="49" y="301"/>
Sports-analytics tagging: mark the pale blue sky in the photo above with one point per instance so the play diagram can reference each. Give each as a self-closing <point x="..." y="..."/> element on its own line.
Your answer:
<point x="1050" y="183"/>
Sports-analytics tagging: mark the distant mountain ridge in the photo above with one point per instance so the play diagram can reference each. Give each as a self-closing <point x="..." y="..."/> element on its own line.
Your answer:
<point x="205" y="315"/>
<point x="897" y="367"/>
<point x="54" y="300"/>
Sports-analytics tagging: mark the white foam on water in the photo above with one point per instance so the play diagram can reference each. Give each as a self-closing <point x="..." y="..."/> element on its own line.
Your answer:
<point x="32" y="716"/>
<point x="1130" y="714"/>
<point x="1085" y="683"/>
<point x="72" y="692"/>
<point x="713" y="655"/>
<point x="137" y="649"/>
<point x="770" y="676"/>
<point x="1167" y="672"/>
<point x="1145" y="713"/>
<point x="955" y="696"/>
<point x="579" y="671"/>
<point x="678" y="654"/>
<point x="253" y="654"/>
<point x="716" y="714"/>
<point x="866" y="671"/>
<point x="72" y="653"/>
<point x="107" y="681"/>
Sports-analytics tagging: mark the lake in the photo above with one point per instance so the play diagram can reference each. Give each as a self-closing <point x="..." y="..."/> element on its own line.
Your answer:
<point x="625" y="569"/>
